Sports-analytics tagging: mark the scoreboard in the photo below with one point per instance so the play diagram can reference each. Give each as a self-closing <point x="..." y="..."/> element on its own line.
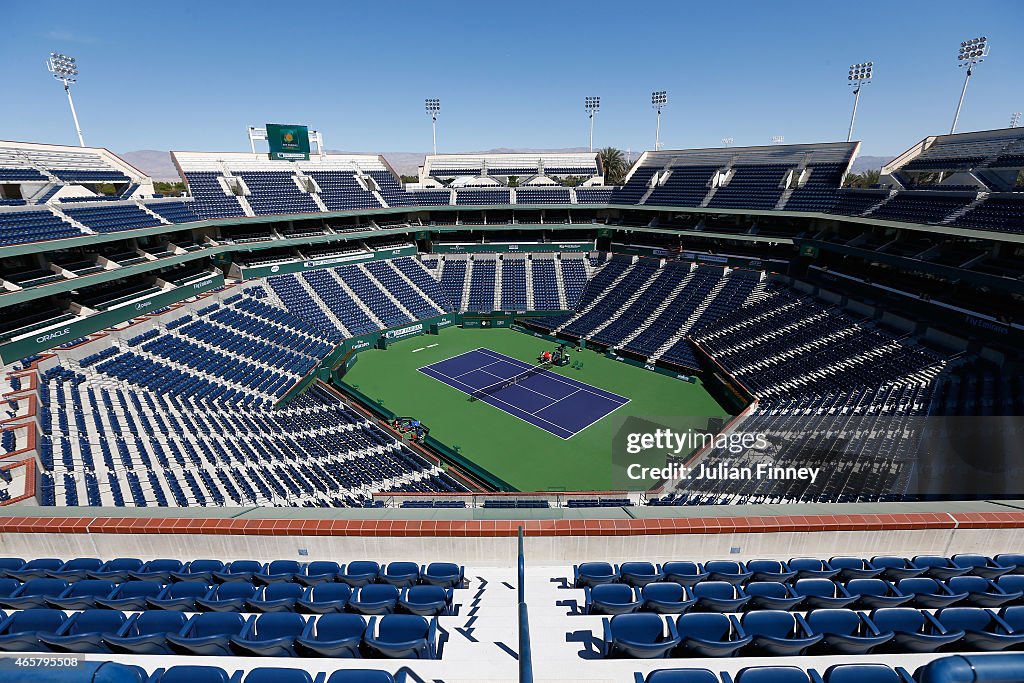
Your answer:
<point x="288" y="142"/>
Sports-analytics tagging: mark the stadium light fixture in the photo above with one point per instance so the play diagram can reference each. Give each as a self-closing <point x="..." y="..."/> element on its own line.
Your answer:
<point x="433" y="106"/>
<point x="1015" y="119"/>
<point x="659" y="99"/>
<point x="65" y="70"/>
<point x="972" y="52"/>
<point x="728" y="141"/>
<point x="592" y="105"/>
<point x="859" y="76"/>
<point x="778" y="139"/>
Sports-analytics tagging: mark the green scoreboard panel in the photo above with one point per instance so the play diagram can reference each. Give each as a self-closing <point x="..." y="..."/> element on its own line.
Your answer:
<point x="288" y="143"/>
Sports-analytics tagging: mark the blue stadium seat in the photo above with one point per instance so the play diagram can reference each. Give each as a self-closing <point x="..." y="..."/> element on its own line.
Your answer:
<point x="718" y="596"/>
<point x="10" y="564"/>
<point x="812" y="568"/>
<point x="374" y="598"/>
<point x="146" y="633"/>
<point x="640" y="573"/>
<point x="82" y="594"/>
<point x="278" y="570"/>
<point x="1011" y="583"/>
<point x="710" y="635"/>
<point x="276" y="597"/>
<point x="34" y="593"/>
<point x="273" y="674"/>
<point x="1015" y="560"/>
<point x="939" y="567"/>
<point x="324" y="598"/>
<point x="685" y="573"/>
<point x="271" y="635"/>
<point x="20" y="631"/>
<point x="854" y="568"/>
<point x="207" y="633"/>
<point x="896" y="568"/>
<point x="982" y="592"/>
<point x="118" y="569"/>
<point x="82" y="672"/>
<point x="779" y="633"/>
<point x="180" y="596"/>
<point x="770" y="570"/>
<point x="823" y="593"/>
<point x="319" y="571"/>
<point x="38" y="568"/>
<point x="426" y="601"/>
<point x="981" y="565"/>
<point x="360" y="572"/>
<point x="773" y="674"/>
<point x="929" y="592"/>
<point x="333" y="635"/>
<point x="444" y="574"/>
<point x="730" y="571"/>
<point x="189" y="673"/>
<point x="593" y="574"/>
<point x="403" y="636"/>
<point x="157" y="570"/>
<point x="84" y="631"/>
<point x="131" y="595"/>
<point x="681" y="676"/>
<point x="239" y="570"/>
<point x="865" y="673"/>
<point x="666" y="597"/>
<point x="872" y="593"/>
<point x="639" y="636"/>
<point x="983" y="629"/>
<point x="772" y="595"/>
<point x="401" y="574"/>
<point x="365" y="676"/>
<point x="915" y="631"/>
<point x="199" y="570"/>
<point x="845" y="631"/>
<point x="76" y="569"/>
<point x="230" y="596"/>
<point x="611" y="598"/>
<point x="8" y="587"/>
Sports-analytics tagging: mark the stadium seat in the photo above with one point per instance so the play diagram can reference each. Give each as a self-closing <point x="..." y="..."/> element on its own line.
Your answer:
<point x="365" y="676"/>
<point x="770" y="570"/>
<point x="239" y="570"/>
<point x="84" y="631"/>
<point x="332" y="635"/>
<point x="778" y="633"/>
<point x="34" y="593"/>
<point x="277" y="571"/>
<point x="82" y="594"/>
<point x="208" y="633"/>
<point x="275" y="597"/>
<point x="180" y="596"/>
<point x="772" y="595"/>
<point x="273" y="674"/>
<point x="685" y="573"/>
<point x="402" y="636"/>
<point x="854" y="568"/>
<point x="230" y="596"/>
<point x="323" y="598"/>
<point x="718" y="596"/>
<point x="981" y="565"/>
<point x="939" y="567"/>
<point x="593" y="574"/>
<point x="426" y="601"/>
<point x="710" y="635"/>
<point x="270" y="635"/>
<point x="611" y="598"/>
<point x="20" y="631"/>
<point x="983" y="629"/>
<point x="811" y="568"/>
<point x="76" y="569"/>
<point x="131" y="595"/>
<point x="640" y="573"/>
<point x="822" y="593"/>
<point x="189" y="673"/>
<point x="872" y="593"/>
<point x="157" y="570"/>
<point x="199" y="570"/>
<point x="772" y="674"/>
<point x="915" y="631"/>
<point x="317" y="572"/>
<point x="982" y="592"/>
<point x="727" y="570"/>
<point x="360" y="572"/>
<point x="117" y="570"/>
<point x="146" y="633"/>
<point x="10" y="564"/>
<point x="896" y="568"/>
<point x="865" y="673"/>
<point x="374" y="598"/>
<point x="1015" y="560"/>
<point x="400" y="574"/>
<point x="39" y="568"/>
<point x="845" y="631"/>
<point x="929" y="592"/>
<point x="639" y="636"/>
<point x="8" y="587"/>
<point x="444" y="574"/>
<point x="665" y="597"/>
<point x="681" y="676"/>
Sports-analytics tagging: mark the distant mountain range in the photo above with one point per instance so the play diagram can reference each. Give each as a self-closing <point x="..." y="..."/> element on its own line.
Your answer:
<point x="158" y="164"/>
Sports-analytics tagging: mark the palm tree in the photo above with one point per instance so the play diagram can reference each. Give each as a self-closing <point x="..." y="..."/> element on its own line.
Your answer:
<point x="614" y="164"/>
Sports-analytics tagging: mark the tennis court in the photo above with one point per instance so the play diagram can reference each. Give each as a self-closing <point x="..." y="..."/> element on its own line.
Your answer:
<point x="555" y="403"/>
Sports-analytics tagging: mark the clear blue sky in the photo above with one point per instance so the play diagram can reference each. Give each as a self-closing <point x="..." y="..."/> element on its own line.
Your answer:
<point x="193" y="75"/>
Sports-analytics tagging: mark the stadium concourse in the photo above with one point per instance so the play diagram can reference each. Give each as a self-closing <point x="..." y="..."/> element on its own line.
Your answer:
<point x="199" y="467"/>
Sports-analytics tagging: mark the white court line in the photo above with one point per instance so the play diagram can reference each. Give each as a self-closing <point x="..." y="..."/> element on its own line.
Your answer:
<point x="419" y="349"/>
<point x="551" y="404"/>
<point x="550" y="398"/>
<point x="458" y="355"/>
<point x="558" y="378"/>
<point x="430" y="346"/>
<point x="511" y="405"/>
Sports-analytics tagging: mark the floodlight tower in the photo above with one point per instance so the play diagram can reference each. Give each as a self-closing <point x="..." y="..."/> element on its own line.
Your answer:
<point x="727" y="141"/>
<point x="860" y="75"/>
<point x="972" y="52"/>
<point x="592" y="105"/>
<point x="659" y="99"/>
<point x="778" y="139"/>
<point x="65" y="70"/>
<point x="1015" y="119"/>
<point x="433" y="106"/>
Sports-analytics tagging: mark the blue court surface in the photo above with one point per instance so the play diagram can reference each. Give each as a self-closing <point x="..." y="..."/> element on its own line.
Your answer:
<point x="559" y="405"/>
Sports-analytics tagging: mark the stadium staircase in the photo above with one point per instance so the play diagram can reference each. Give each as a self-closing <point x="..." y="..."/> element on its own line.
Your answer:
<point x="875" y="207"/>
<point x="497" y="284"/>
<point x="154" y="214"/>
<point x="627" y="305"/>
<point x="952" y="218"/>
<point x="670" y="299"/>
<point x="321" y="304"/>
<point x="597" y="300"/>
<point x="387" y="292"/>
<point x="560" y="283"/>
<point x="464" y="301"/>
<point x="688" y="324"/>
<point x="59" y="213"/>
<point x="355" y="297"/>
<point x="530" y="305"/>
<point x="414" y="263"/>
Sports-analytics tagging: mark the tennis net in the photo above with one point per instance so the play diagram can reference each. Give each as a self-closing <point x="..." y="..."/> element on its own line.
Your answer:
<point x="505" y="383"/>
